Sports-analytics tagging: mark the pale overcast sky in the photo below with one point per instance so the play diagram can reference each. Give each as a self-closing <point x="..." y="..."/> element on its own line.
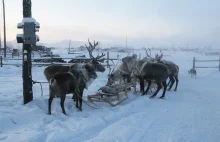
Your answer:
<point x="144" y="22"/>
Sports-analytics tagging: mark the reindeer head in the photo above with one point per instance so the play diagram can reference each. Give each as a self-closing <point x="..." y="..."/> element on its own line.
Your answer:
<point x="111" y="75"/>
<point x="95" y="61"/>
<point x="130" y="61"/>
<point x="157" y="57"/>
<point x="91" y="71"/>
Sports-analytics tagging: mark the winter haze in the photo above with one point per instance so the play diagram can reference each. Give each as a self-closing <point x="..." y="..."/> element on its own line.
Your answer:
<point x="144" y="22"/>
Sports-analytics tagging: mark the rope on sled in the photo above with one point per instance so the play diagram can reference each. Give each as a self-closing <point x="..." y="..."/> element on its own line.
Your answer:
<point x="88" y="103"/>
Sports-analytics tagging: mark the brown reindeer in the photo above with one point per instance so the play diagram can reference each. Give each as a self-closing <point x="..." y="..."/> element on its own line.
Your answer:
<point x="50" y="71"/>
<point x="121" y="74"/>
<point x="73" y="81"/>
<point x="148" y="71"/>
<point x="174" y="69"/>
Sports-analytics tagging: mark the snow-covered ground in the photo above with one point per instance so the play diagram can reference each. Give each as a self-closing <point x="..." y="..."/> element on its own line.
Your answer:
<point x="191" y="114"/>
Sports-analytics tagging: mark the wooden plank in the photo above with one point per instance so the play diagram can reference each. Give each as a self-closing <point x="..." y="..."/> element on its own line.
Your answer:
<point x="206" y="67"/>
<point x="207" y="60"/>
<point x="44" y="64"/>
<point x="54" y="58"/>
<point x="12" y="58"/>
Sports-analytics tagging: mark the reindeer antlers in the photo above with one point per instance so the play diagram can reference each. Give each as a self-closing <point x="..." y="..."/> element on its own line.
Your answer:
<point x="91" y="48"/>
<point x="98" y="58"/>
<point x="146" y="50"/>
<point x="157" y="57"/>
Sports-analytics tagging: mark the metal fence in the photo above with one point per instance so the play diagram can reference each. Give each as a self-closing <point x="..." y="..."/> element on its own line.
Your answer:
<point x="196" y="60"/>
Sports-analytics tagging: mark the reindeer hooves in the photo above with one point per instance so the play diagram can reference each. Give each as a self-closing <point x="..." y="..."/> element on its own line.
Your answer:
<point x="161" y="97"/>
<point x="151" y="97"/>
<point x="79" y="109"/>
<point x="175" y="89"/>
<point x="168" y="89"/>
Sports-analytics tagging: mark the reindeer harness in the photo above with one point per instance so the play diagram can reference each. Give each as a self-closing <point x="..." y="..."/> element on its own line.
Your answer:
<point x="141" y="68"/>
<point x="122" y="71"/>
<point x="74" y="77"/>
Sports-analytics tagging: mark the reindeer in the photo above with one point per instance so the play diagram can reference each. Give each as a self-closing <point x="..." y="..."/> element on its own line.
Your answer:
<point x="148" y="71"/>
<point x="120" y="73"/>
<point x="50" y="71"/>
<point x="73" y="81"/>
<point x="174" y="69"/>
<point x="192" y="72"/>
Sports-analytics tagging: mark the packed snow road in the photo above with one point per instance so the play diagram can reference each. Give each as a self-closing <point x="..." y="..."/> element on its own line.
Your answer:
<point x="191" y="114"/>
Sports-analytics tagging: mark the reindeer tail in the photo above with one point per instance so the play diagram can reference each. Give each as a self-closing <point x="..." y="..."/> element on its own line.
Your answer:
<point x="53" y="82"/>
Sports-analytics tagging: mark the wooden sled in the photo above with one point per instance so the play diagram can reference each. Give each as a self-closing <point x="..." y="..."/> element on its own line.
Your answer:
<point x="113" y="94"/>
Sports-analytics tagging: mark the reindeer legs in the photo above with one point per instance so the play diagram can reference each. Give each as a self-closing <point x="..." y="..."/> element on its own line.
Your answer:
<point x="73" y="97"/>
<point x="50" y="99"/>
<point x="49" y="103"/>
<point x="76" y="99"/>
<point x="164" y="89"/>
<point x="80" y="100"/>
<point x="148" y="87"/>
<point x="141" y="85"/>
<point x="169" y="82"/>
<point x="172" y="82"/>
<point x="177" y="81"/>
<point x="159" y="86"/>
<point x="62" y="99"/>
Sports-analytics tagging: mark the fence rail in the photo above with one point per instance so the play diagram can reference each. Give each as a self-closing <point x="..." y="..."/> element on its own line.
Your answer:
<point x="51" y="62"/>
<point x="194" y="63"/>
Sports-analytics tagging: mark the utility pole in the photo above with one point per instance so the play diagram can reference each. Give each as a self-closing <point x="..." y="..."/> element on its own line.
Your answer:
<point x="126" y="45"/>
<point x="27" y="65"/>
<point x="28" y="38"/>
<point x="4" y="28"/>
<point x="69" y="45"/>
<point x="0" y="44"/>
<point x="187" y="45"/>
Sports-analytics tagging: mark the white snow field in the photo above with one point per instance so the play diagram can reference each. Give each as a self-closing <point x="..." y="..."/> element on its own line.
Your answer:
<point x="192" y="114"/>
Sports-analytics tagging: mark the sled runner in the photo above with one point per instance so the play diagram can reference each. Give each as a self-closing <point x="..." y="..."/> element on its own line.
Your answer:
<point x="112" y="94"/>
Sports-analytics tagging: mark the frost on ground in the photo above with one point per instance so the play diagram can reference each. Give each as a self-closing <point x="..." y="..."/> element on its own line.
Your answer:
<point x="191" y="114"/>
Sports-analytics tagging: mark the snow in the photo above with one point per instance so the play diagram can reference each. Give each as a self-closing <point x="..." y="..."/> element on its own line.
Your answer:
<point x="191" y="114"/>
<point x="20" y="36"/>
<point x="28" y="20"/>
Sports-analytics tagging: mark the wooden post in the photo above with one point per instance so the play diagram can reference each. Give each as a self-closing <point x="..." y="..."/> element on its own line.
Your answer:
<point x="107" y="59"/>
<point x="139" y="56"/>
<point x="194" y="62"/>
<point x="219" y="64"/>
<point x="51" y="55"/>
<point x="1" y="60"/>
<point x="5" y="46"/>
<point x="26" y="59"/>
